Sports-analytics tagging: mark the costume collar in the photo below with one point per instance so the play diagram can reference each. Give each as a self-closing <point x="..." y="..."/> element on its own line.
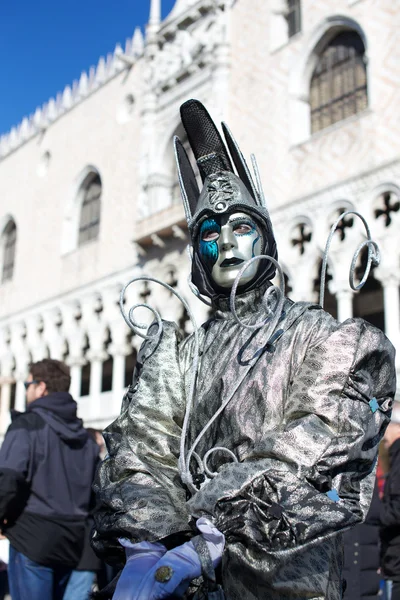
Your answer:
<point x="248" y="304"/>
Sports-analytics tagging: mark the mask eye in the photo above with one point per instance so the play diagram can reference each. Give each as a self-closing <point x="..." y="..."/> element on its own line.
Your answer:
<point x="209" y="236"/>
<point x="242" y="228"/>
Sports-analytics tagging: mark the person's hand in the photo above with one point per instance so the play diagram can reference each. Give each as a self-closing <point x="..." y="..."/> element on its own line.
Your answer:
<point x="140" y="558"/>
<point x="175" y="570"/>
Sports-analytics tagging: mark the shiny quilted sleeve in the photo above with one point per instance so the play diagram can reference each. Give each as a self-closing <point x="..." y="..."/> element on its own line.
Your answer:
<point x="138" y="489"/>
<point x="314" y="478"/>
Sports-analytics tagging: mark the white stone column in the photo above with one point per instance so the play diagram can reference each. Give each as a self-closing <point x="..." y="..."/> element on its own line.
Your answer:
<point x="52" y="334"/>
<point x="20" y="394"/>
<point x="7" y="363"/>
<point x="119" y="350"/>
<point x="34" y="339"/>
<point x="391" y="303"/>
<point x="5" y="406"/>
<point x="21" y="355"/>
<point x="76" y="378"/>
<point x="118" y="374"/>
<point x="96" y="372"/>
<point x="344" y="299"/>
<point x="74" y="333"/>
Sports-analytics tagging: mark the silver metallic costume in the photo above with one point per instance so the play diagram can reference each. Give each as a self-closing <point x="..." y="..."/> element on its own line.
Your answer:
<point x="306" y="407"/>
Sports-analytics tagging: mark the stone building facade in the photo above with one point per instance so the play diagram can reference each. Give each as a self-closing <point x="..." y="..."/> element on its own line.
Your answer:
<point x="89" y="196"/>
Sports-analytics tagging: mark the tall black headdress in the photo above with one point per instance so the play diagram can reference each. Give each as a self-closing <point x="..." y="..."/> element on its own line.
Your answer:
<point x="223" y="190"/>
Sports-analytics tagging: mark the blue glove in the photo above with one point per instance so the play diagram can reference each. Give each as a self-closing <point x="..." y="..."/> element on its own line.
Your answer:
<point x="140" y="558"/>
<point x="175" y="570"/>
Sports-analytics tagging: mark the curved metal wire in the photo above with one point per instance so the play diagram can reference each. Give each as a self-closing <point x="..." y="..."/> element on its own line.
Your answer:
<point x="374" y="256"/>
<point x="129" y="320"/>
<point x="280" y="291"/>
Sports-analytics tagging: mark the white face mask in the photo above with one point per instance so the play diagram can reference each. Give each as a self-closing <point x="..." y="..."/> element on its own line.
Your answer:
<point x="226" y="242"/>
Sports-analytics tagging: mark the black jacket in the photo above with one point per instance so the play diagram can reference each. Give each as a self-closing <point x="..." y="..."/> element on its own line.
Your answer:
<point x="361" y="556"/>
<point x="390" y="517"/>
<point x="47" y="463"/>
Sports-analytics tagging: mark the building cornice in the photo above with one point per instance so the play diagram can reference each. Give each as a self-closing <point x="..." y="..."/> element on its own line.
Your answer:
<point x="98" y="76"/>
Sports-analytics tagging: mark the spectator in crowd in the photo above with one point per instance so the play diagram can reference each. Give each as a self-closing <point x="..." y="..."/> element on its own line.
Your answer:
<point x="361" y="571"/>
<point x="390" y="510"/>
<point x="47" y="463"/>
<point x="81" y="582"/>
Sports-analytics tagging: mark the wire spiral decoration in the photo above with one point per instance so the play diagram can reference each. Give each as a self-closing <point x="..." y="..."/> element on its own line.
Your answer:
<point x="136" y="327"/>
<point x="374" y="256"/>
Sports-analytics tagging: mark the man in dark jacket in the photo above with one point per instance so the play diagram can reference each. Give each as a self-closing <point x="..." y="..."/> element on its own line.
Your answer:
<point x="47" y="463"/>
<point x="390" y="509"/>
<point x="361" y="556"/>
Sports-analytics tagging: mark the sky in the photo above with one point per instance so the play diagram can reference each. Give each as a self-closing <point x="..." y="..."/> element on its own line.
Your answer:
<point x="46" y="44"/>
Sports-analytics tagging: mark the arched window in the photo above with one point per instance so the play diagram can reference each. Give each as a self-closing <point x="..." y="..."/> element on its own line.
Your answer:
<point x="89" y="222"/>
<point x="339" y="82"/>
<point x="9" y="244"/>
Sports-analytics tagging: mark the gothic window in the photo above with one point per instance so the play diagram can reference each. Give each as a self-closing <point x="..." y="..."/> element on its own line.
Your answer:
<point x="301" y="237"/>
<point x="389" y="203"/>
<point x="293" y="17"/>
<point x="344" y="224"/>
<point x="90" y="209"/>
<point x="339" y="82"/>
<point x="9" y="244"/>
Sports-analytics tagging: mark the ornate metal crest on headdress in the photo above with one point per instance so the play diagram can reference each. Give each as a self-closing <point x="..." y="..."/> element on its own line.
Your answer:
<point x="221" y="191"/>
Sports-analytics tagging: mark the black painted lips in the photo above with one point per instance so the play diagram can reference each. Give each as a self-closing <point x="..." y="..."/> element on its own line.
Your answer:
<point x="231" y="262"/>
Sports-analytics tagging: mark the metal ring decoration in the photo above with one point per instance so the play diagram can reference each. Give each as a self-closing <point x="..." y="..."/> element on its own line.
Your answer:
<point x="135" y="326"/>
<point x="280" y="291"/>
<point x="212" y="474"/>
<point x="128" y="318"/>
<point x="374" y="256"/>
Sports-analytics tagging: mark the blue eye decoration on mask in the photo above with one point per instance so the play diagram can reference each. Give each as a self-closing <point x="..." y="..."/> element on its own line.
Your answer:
<point x="253" y="246"/>
<point x="209" y="249"/>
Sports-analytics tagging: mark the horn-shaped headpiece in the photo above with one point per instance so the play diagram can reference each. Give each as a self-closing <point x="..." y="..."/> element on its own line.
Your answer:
<point x="223" y="190"/>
